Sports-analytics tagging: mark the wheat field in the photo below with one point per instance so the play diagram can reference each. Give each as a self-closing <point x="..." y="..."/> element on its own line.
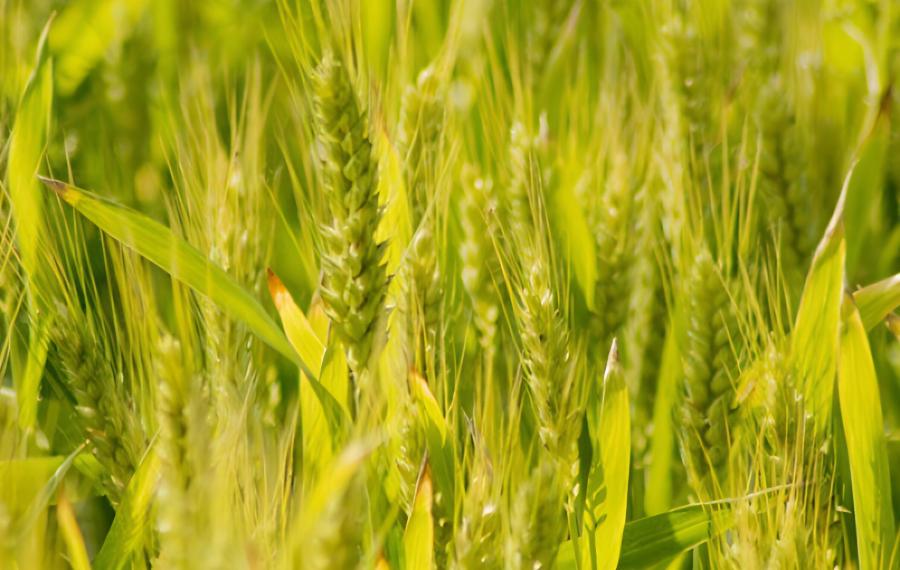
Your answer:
<point x="415" y="284"/>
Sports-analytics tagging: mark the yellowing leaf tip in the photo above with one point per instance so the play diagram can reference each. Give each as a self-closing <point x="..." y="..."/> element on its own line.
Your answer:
<point x="276" y="288"/>
<point x="61" y="188"/>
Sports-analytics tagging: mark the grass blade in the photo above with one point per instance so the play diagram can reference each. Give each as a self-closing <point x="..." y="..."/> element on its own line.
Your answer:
<point x="651" y="540"/>
<point x="577" y="240"/>
<point x="127" y="533"/>
<point x="299" y="331"/>
<point x="179" y="259"/>
<point x="866" y="446"/>
<point x="38" y="344"/>
<point x="654" y="539"/>
<point x="607" y="488"/>
<point x="437" y="439"/>
<point x="68" y="524"/>
<point x="418" y="539"/>
<point x="658" y="498"/>
<point x="877" y="300"/>
<point x="26" y="149"/>
<point x="814" y="341"/>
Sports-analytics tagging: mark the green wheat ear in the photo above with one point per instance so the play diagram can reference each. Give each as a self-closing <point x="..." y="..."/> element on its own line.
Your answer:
<point x="476" y="252"/>
<point x="537" y="519"/>
<point x="477" y="542"/>
<point x="100" y="402"/>
<point x="709" y="368"/>
<point x="783" y="182"/>
<point x="354" y="279"/>
<point x="422" y="123"/>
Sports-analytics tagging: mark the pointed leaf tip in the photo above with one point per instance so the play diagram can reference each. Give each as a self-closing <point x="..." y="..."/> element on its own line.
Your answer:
<point x="55" y="185"/>
<point x="276" y="287"/>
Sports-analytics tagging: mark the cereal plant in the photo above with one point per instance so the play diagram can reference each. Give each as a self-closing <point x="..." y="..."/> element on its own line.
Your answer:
<point x="464" y="284"/>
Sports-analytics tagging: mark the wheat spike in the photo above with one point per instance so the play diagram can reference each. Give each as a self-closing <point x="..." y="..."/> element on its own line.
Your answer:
<point x="104" y="413"/>
<point x="709" y="368"/>
<point x="354" y="281"/>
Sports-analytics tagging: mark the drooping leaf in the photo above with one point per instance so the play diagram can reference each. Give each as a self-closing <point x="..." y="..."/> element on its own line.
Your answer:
<point x="181" y="260"/>
<point x="863" y="424"/>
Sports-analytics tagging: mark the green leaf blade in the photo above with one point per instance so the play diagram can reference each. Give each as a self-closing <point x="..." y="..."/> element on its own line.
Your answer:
<point x="866" y="445"/>
<point x="182" y="261"/>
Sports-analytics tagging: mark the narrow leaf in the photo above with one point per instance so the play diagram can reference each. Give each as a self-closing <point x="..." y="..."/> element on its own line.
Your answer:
<point x="181" y="260"/>
<point x="866" y="446"/>
<point x="578" y="242"/>
<point x="418" y="539"/>
<point x="439" y="445"/>
<point x="655" y="539"/>
<point x="29" y="388"/>
<point x="32" y="482"/>
<point x="26" y="148"/>
<point x="132" y="521"/>
<point x="658" y="496"/>
<point x="299" y="331"/>
<point x="68" y="524"/>
<point x="814" y="340"/>
<point x="877" y="300"/>
<point x="607" y="489"/>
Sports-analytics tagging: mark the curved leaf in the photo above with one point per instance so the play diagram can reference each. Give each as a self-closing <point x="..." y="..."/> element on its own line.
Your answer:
<point x="877" y="300"/>
<point x="179" y="259"/>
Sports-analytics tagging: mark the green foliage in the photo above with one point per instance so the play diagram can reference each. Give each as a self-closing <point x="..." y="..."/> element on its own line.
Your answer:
<point x="343" y="289"/>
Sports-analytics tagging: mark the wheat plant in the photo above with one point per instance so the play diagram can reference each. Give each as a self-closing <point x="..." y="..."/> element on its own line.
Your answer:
<point x="500" y="284"/>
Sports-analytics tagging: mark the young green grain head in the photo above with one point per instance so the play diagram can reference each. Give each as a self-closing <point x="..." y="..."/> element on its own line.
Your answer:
<point x="354" y="281"/>
<point x="104" y="412"/>
<point x="711" y="342"/>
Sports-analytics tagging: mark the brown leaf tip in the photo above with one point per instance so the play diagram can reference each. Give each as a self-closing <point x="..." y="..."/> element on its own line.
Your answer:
<point x="276" y="287"/>
<point x="55" y="185"/>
